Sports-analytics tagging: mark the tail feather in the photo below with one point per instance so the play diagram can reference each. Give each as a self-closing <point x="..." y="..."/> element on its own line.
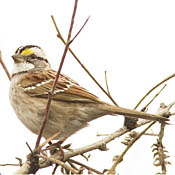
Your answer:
<point x="136" y="114"/>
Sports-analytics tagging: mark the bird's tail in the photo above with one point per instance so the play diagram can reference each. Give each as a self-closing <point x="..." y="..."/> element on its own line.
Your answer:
<point x="134" y="113"/>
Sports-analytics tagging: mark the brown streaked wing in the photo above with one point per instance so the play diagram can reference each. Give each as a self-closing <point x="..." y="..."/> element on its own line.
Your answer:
<point x="40" y="84"/>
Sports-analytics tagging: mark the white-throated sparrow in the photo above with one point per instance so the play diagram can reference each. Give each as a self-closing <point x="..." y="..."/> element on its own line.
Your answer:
<point x="72" y="106"/>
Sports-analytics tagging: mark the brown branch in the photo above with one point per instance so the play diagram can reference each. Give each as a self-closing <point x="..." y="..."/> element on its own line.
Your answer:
<point x="93" y="146"/>
<point x="86" y="70"/>
<point x="98" y="144"/>
<point x="45" y="117"/>
<point x="143" y="109"/>
<point x="10" y="164"/>
<point x="60" y="163"/>
<point x="4" y="67"/>
<point x="106" y="81"/>
<point x="55" y="168"/>
<point x="157" y="85"/>
<point x="48" y="140"/>
<point x="80" y="30"/>
<point x="87" y="167"/>
<point x="151" y="134"/>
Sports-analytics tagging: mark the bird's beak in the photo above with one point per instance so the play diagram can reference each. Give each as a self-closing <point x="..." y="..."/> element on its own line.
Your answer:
<point x="18" y="58"/>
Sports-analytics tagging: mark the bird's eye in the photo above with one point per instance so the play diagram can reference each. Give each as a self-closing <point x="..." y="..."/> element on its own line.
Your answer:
<point x="27" y="52"/>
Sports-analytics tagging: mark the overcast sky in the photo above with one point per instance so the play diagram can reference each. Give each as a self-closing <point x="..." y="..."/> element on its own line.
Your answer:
<point x="134" y="41"/>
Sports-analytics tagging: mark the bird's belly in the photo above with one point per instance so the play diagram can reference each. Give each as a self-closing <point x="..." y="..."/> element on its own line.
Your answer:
<point x="61" y="116"/>
<point x="27" y="112"/>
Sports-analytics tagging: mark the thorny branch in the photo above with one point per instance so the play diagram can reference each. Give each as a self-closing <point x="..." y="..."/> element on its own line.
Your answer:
<point x="160" y="152"/>
<point x="120" y="158"/>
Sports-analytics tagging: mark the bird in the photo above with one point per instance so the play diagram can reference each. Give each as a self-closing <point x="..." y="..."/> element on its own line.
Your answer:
<point x="72" y="106"/>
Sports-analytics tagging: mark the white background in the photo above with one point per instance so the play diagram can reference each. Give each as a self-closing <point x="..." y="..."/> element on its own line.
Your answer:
<point x="133" y="40"/>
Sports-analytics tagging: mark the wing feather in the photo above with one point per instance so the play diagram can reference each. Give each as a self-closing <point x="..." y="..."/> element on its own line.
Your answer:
<point x="40" y="84"/>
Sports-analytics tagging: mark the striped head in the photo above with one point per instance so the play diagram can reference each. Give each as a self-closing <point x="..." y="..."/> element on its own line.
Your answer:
<point x="28" y="58"/>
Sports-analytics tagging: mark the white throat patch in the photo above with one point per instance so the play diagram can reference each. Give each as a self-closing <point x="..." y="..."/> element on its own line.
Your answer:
<point x="21" y="67"/>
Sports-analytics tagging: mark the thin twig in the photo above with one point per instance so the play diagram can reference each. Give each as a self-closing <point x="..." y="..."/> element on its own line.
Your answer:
<point x="120" y="158"/>
<point x="20" y="161"/>
<point x="72" y="165"/>
<point x="106" y="81"/>
<point x="87" y="167"/>
<point x="48" y="140"/>
<point x="9" y="164"/>
<point x="29" y="147"/>
<point x="151" y="134"/>
<point x="146" y="134"/>
<point x="55" y="168"/>
<point x="4" y="67"/>
<point x="80" y="30"/>
<point x="60" y="163"/>
<point x="157" y="85"/>
<point x="45" y="117"/>
<point x="143" y="109"/>
<point x="86" y="70"/>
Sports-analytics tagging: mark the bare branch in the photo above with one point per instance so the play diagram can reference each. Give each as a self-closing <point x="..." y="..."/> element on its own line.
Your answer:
<point x="9" y="164"/>
<point x="143" y="109"/>
<point x="97" y="144"/>
<point x="157" y="85"/>
<point x="87" y="167"/>
<point x="106" y="81"/>
<point x="45" y="117"/>
<point x="48" y="140"/>
<point x="77" y="59"/>
<point x="4" y="67"/>
<point x="60" y="163"/>
<point x="57" y="76"/>
<point x="80" y="30"/>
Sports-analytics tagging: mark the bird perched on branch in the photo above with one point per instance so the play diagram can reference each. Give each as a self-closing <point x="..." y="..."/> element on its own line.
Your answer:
<point x="72" y="106"/>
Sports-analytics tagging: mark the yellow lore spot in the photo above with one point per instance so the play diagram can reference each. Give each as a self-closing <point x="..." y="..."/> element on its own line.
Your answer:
<point x="27" y="52"/>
